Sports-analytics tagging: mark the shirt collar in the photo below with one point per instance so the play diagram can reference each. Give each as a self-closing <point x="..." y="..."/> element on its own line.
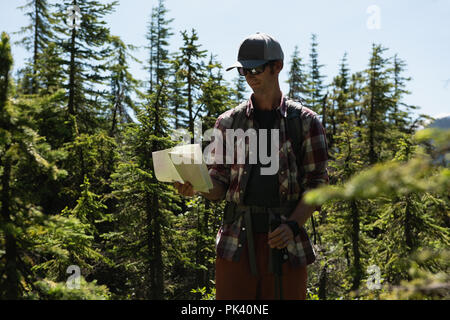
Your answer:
<point x="282" y="108"/>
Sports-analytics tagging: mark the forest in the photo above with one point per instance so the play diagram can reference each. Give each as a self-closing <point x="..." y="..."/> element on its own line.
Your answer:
<point x="84" y="217"/>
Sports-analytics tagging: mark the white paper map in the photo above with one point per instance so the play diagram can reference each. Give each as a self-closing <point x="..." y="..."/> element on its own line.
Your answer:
<point x="182" y="163"/>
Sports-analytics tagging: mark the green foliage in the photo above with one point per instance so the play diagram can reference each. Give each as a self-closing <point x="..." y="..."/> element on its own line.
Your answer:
<point x="297" y="77"/>
<point x="204" y="294"/>
<point x="393" y="178"/>
<point x="63" y="241"/>
<point x="49" y="290"/>
<point x="408" y="217"/>
<point x="314" y="79"/>
<point x="78" y="187"/>
<point x="38" y="41"/>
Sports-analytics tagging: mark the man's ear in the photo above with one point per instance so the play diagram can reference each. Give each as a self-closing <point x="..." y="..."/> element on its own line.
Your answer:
<point x="279" y="65"/>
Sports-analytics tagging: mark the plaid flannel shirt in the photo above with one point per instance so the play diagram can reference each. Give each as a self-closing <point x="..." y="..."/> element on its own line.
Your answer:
<point x="230" y="239"/>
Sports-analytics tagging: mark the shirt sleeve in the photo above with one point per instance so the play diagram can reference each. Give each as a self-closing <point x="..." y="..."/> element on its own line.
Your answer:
<point x="315" y="156"/>
<point x="218" y="168"/>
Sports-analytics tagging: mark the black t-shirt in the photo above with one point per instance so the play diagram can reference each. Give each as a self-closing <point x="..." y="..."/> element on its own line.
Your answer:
<point x="263" y="190"/>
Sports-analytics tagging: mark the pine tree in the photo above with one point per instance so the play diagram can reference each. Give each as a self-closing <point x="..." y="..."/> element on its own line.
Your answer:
<point x="190" y="70"/>
<point x="239" y="92"/>
<point x="400" y="114"/>
<point x="297" y="78"/>
<point x="315" y="85"/>
<point x="145" y="225"/>
<point x="177" y="101"/>
<point x="356" y="94"/>
<point x="25" y="161"/>
<point x="87" y="54"/>
<point x="393" y="228"/>
<point x="377" y="102"/>
<point x="10" y="287"/>
<point x="44" y="73"/>
<point x="214" y="100"/>
<point x="83" y="45"/>
<point x="340" y="112"/>
<point x="39" y="38"/>
<point x="158" y="35"/>
<point x="215" y="97"/>
<point x="123" y="85"/>
<point x="51" y="74"/>
<point x="408" y="222"/>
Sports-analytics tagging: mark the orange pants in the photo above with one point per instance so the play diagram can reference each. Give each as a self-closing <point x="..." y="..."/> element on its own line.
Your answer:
<point x="234" y="280"/>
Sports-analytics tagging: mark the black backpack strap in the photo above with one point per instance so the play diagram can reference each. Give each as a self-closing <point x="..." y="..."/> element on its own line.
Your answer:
<point x="239" y="116"/>
<point x="295" y="132"/>
<point x="295" y="129"/>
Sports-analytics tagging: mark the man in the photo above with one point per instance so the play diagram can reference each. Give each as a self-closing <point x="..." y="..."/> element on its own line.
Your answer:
<point x="262" y="246"/>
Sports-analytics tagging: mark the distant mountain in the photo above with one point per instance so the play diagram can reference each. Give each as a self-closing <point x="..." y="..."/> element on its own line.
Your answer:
<point x="443" y="123"/>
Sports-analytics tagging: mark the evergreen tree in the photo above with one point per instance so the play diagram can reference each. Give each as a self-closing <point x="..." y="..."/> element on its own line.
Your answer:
<point x="190" y="70"/>
<point x="10" y="287"/>
<point x="400" y="114"/>
<point x="239" y="92"/>
<point x="215" y="97"/>
<point x="51" y="74"/>
<point x="78" y="187"/>
<point x="394" y="231"/>
<point x="356" y="94"/>
<point x="158" y="35"/>
<point x="340" y="112"/>
<point x="30" y="239"/>
<point x="177" y="101"/>
<point x="297" y="78"/>
<point x="39" y="37"/>
<point x="86" y="49"/>
<point x="146" y="224"/>
<point x="315" y="84"/>
<point x="123" y="85"/>
<point x="407" y="222"/>
<point x="377" y="102"/>
<point x="87" y="57"/>
<point x="214" y="100"/>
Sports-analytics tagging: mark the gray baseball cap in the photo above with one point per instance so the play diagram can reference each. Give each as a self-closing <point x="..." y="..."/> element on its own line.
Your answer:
<point x="256" y="50"/>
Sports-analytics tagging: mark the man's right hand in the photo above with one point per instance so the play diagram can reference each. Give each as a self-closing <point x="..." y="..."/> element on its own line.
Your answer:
<point x="185" y="189"/>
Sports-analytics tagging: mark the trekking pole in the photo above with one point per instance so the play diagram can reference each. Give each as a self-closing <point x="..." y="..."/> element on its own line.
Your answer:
<point x="276" y="263"/>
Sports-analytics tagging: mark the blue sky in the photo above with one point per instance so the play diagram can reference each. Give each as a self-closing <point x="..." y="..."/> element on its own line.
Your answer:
<point x="418" y="31"/>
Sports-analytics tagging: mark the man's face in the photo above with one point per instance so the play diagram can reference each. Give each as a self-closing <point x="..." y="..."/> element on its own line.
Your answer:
<point x="265" y="80"/>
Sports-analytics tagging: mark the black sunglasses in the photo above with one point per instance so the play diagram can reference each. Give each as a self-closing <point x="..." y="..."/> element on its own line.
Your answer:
<point x="253" y="71"/>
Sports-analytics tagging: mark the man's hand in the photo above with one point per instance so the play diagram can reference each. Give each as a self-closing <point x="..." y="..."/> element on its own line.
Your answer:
<point x="280" y="237"/>
<point x="185" y="189"/>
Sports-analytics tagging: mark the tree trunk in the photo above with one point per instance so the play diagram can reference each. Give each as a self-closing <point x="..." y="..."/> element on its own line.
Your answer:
<point x="151" y="265"/>
<point x="12" y="276"/>
<point x="206" y="282"/>
<point x="407" y="227"/>
<point x="315" y="233"/>
<point x="372" y="120"/>
<point x="71" y="106"/>
<point x="198" y="255"/>
<point x="157" y="268"/>
<point x="35" y="50"/>
<point x="191" y="117"/>
<point x="323" y="283"/>
<point x="158" y="274"/>
<point x="357" y="271"/>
